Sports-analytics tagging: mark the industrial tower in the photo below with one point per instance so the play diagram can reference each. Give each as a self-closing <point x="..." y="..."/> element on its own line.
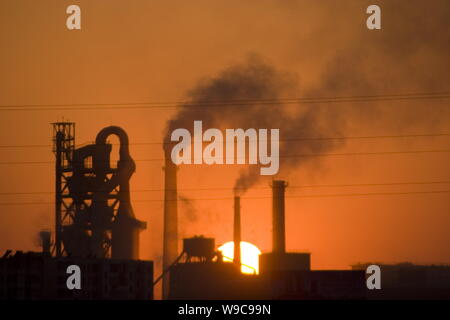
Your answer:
<point x="93" y="211"/>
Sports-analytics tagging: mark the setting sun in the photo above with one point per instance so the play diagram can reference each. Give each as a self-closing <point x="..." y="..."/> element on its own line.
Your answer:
<point x="249" y="256"/>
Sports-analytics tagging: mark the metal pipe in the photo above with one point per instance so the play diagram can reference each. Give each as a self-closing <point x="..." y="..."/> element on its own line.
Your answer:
<point x="58" y="192"/>
<point x="170" y="245"/>
<point x="278" y="218"/>
<point x="237" y="231"/>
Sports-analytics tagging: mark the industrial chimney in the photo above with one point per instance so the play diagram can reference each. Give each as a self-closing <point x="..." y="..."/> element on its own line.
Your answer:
<point x="280" y="260"/>
<point x="237" y="231"/>
<point x="170" y="246"/>
<point x="278" y="221"/>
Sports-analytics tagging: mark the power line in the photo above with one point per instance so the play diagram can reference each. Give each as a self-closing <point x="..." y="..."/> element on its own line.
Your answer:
<point x="266" y="197"/>
<point x="285" y="156"/>
<point x="286" y="140"/>
<point x="259" y="188"/>
<point x="229" y="103"/>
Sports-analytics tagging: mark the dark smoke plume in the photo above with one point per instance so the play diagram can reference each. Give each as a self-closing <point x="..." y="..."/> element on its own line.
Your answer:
<point x="405" y="57"/>
<point x="257" y="80"/>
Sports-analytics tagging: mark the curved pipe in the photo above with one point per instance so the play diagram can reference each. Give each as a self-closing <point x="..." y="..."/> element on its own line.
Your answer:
<point x="121" y="134"/>
<point x="126" y="167"/>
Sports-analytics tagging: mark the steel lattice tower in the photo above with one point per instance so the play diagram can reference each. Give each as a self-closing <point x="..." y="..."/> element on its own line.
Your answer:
<point x="63" y="147"/>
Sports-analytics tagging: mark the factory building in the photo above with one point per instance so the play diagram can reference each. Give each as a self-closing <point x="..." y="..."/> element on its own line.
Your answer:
<point x="201" y="273"/>
<point x="282" y="275"/>
<point x="93" y="211"/>
<point x="410" y="281"/>
<point x="95" y="228"/>
<point x="38" y="276"/>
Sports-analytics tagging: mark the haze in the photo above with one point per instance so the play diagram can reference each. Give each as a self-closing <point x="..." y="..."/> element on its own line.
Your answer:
<point x="161" y="51"/>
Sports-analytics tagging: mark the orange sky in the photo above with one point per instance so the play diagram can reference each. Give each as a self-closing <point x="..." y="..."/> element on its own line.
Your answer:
<point x="142" y="51"/>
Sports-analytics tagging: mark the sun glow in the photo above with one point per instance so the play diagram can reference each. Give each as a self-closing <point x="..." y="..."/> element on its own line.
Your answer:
<point x="249" y="256"/>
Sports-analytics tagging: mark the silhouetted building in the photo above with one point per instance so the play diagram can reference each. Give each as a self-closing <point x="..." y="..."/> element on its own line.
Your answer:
<point x="410" y="281"/>
<point x="292" y="261"/>
<point x="283" y="275"/>
<point x="93" y="211"/>
<point x="289" y="276"/>
<point x="213" y="280"/>
<point x="204" y="275"/>
<point x="319" y="284"/>
<point x="36" y="276"/>
<point x="223" y="280"/>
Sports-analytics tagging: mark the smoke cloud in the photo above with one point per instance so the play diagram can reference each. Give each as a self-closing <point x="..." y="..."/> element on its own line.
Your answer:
<point x="402" y="58"/>
<point x="257" y="80"/>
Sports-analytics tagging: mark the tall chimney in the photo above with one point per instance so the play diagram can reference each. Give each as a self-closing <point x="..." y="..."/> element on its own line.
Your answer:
<point x="170" y="246"/>
<point x="278" y="221"/>
<point x="237" y="231"/>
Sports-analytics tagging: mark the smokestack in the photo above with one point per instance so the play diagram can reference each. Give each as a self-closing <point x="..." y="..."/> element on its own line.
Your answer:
<point x="278" y="222"/>
<point x="170" y="246"/>
<point x="237" y="231"/>
<point x="45" y="237"/>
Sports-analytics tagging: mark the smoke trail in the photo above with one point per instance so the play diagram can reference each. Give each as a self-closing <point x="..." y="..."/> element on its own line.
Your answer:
<point x="404" y="59"/>
<point x="257" y="80"/>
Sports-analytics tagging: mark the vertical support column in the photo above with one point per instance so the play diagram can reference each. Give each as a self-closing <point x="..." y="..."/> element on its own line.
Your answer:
<point x="58" y="191"/>
<point x="63" y="147"/>
<point x="170" y="245"/>
<point x="278" y="217"/>
<point x="237" y="231"/>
